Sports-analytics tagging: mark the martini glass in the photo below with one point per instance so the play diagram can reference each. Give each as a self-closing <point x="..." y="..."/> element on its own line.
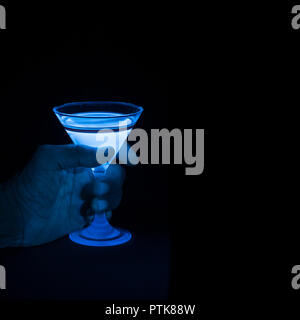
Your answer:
<point x="100" y="125"/>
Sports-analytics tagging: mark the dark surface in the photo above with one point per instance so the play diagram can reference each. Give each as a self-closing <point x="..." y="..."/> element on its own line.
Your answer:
<point x="65" y="270"/>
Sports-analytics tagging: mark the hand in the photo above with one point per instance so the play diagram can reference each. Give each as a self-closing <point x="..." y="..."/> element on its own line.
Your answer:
<point x="55" y="195"/>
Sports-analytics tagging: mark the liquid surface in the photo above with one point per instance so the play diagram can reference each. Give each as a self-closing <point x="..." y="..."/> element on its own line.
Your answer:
<point x="96" y="121"/>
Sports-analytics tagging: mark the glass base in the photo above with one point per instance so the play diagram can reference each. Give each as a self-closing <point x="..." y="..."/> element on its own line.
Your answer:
<point x="100" y="233"/>
<point x="124" y="236"/>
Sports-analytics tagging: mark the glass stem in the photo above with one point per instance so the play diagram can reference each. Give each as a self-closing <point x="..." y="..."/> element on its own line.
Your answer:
<point x="100" y="227"/>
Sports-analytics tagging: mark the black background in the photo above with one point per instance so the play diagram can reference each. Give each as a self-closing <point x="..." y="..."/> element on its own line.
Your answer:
<point x="288" y="244"/>
<point x="186" y="74"/>
<point x="146" y="54"/>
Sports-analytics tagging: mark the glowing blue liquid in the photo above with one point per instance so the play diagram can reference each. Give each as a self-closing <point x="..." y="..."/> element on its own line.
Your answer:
<point x="97" y="130"/>
<point x="96" y="140"/>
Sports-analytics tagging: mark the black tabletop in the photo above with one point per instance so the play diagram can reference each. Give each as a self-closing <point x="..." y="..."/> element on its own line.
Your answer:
<point x="139" y="269"/>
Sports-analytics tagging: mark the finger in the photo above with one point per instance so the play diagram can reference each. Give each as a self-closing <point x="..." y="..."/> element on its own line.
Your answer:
<point x="97" y="189"/>
<point x="115" y="176"/>
<point x="73" y="156"/>
<point x="68" y="156"/>
<point x="100" y="189"/>
<point x="99" y="205"/>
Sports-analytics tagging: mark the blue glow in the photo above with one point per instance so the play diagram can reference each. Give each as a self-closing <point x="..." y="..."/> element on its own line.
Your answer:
<point x="109" y="133"/>
<point x="100" y="234"/>
<point x="95" y="124"/>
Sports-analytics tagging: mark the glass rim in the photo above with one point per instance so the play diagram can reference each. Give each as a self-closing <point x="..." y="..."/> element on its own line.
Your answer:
<point x="139" y="109"/>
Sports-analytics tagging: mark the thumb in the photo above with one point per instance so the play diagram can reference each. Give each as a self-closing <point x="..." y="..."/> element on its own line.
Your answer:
<point x="72" y="156"/>
<point x="68" y="156"/>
